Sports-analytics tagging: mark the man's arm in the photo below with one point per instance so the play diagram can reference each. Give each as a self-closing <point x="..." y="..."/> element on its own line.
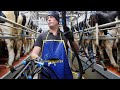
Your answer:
<point x="37" y="48"/>
<point x="75" y="45"/>
<point x="35" y="52"/>
<point x="69" y="35"/>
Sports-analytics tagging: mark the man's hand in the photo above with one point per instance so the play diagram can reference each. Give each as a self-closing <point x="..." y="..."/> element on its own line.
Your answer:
<point x="35" y="52"/>
<point x="68" y="34"/>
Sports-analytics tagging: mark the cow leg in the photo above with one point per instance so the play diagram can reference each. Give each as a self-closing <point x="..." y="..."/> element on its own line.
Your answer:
<point x="11" y="53"/>
<point x="24" y="45"/>
<point x="27" y="48"/>
<point x="102" y="58"/>
<point x="22" y="50"/>
<point x="109" y="53"/>
<point x="29" y="41"/>
<point x="19" y="46"/>
<point x="86" y="48"/>
<point x="118" y="54"/>
<point x="94" y="48"/>
<point x="118" y="50"/>
<point x="32" y="43"/>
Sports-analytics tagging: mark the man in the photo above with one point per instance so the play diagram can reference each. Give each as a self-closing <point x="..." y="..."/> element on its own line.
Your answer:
<point x="52" y="45"/>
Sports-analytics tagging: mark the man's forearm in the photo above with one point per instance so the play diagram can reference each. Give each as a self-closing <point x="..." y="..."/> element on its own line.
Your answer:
<point x="76" y="46"/>
<point x="33" y="56"/>
<point x="35" y="52"/>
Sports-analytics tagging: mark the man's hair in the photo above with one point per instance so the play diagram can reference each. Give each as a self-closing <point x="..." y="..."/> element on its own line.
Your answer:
<point x="55" y="14"/>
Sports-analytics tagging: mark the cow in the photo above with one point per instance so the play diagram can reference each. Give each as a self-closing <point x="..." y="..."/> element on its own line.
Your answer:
<point x="117" y="42"/>
<point x="78" y="29"/>
<point x="29" y="42"/>
<point x="14" y="46"/>
<point x="118" y="53"/>
<point x="21" y="21"/>
<point x="103" y="17"/>
<point x="13" y="16"/>
<point x="33" y="34"/>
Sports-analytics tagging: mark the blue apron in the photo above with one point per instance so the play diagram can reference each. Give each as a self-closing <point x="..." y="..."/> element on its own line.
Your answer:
<point x="55" y="49"/>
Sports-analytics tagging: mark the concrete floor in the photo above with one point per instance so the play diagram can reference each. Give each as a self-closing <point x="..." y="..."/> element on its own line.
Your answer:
<point x="89" y="75"/>
<point x="92" y="75"/>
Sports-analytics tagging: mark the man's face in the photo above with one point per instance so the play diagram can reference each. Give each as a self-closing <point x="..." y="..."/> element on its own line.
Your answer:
<point x="51" y="21"/>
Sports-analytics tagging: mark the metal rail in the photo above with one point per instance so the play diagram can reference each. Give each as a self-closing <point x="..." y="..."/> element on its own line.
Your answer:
<point x="10" y="34"/>
<point x="31" y="37"/>
<point x="14" y="23"/>
<point x="8" y="37"/>
<point x="99" y="29"/>
<point x="15" y="34"/>
<point x="102" y="38"/>
<point x="9" y="74"/>
<point x="104" y="25"/>
<point x="16" y="28"/>
<point x="14" y="37"/>
<point x="109" y="74"/>
<point x="22" y="70"/>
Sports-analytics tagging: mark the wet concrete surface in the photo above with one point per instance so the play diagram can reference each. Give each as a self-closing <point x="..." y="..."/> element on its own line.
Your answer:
<point x="92" y="75"/>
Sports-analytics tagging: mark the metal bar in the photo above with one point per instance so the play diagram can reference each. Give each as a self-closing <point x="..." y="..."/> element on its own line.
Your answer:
<point x="14" y="37"/>
<point x="15" y="28"/>
<point x="111" y="36"/>
<point x="10" y="21"/>
<point x="99" y="29"/>
<point x="22" y="70"/>
<point x="15" y="66"/>
<point x="110" y="28"/>
<point x="14" y="34"/>
<point x="10" y="34"/>
<point x="108" y="73"/>
<point x="102" y="38"/>
<point x="104" y="25"/>
<point x="31" y="37"/>
<point x="8" y="37"/>
<point x="115" y="28"/>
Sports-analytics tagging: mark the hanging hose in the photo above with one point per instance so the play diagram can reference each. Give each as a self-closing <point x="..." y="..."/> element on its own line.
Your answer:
<point x="72" y="46"/>
<point x="82" y="49"/>
<point x="91" y="56"/>
<point x="83" y="27"/>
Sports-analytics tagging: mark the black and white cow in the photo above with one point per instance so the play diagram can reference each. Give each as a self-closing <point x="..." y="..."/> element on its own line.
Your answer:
<point x="14" y="46"/>
<point x="28" y="43"/>
<point x="10" y="43"/>
<point x="103" y="17"/>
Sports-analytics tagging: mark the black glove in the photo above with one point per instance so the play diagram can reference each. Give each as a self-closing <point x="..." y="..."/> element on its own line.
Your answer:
<point x="68" y="34"/>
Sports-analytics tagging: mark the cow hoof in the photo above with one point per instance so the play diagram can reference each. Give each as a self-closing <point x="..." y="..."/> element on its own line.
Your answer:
<point x="17" y="58"/>
<point x="118" y="69"/>
<point x="116" y="66"/>
<point x="25" y="53"/>
<point x="7" y="65"/>
<point x="10" y="66"/>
